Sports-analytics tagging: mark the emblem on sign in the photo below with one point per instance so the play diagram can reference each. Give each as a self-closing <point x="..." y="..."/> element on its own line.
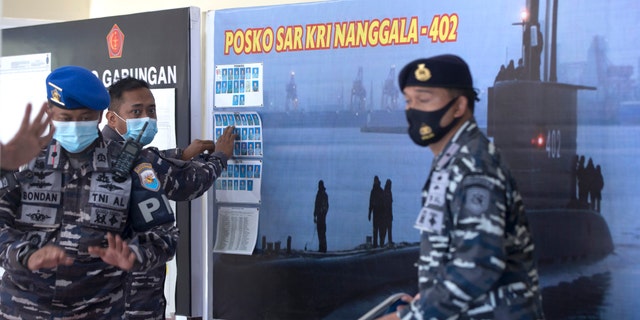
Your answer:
<point x="115" y="42"/>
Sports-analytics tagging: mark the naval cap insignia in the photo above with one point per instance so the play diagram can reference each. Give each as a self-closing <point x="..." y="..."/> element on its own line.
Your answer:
<point x="426" y="132"/>
<point x="56" y="96"/>
<point x="422" y="73"/>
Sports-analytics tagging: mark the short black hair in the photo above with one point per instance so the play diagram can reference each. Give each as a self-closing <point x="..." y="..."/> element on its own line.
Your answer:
<point x="471" y="94"/>
<point x="121" y="86"/>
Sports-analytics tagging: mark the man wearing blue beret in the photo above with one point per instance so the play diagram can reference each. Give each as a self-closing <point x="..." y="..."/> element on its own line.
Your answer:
<point x="476" y="253"/>
<point x="184" y="175"/>
<point x="75" y="226"/>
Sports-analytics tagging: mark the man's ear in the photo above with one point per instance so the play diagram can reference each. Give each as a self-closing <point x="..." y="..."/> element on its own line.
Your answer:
<point x="111" y="118"/>
<point x="462" y="105"/>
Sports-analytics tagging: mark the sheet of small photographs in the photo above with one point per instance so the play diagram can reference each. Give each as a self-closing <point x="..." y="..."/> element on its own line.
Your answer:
<point x="241" y="181"/>
<point x="248" y="130"/>
<point x="238" y="85"/>
<point x="240" y="176"/>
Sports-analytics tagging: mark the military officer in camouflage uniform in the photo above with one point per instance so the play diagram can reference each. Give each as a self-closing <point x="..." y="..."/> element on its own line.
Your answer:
<point x="73" y="227"/>
<point x="184" y="175"/>
<point x="476" y="252"/>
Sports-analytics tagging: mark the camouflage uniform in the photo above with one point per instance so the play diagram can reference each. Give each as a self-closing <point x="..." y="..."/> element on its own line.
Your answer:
<point x="73" y="203"/>
<point x="476" y="253"/>
<point x="181" y="181"/>
<point x="9" y="180"/>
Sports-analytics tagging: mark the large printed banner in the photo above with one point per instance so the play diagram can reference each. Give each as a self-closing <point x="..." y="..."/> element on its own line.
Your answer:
<point x="558" y="95"/>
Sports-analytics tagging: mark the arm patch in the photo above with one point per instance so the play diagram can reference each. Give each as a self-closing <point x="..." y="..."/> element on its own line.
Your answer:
<point x="476" y="200"/>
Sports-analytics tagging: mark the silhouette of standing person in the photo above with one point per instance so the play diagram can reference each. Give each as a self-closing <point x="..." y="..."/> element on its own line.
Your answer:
<point x="520" y="72"/>
<point x="589" y="176"/>
<point x="388" y="210"/>
<point x="598" y="185"/>
<point x="510" y="72"/>
<point x="582" y="183"/>
<point x="320" y="215"/>
<point x="501" y="74"/>
<point x="376" y="207"/>
<point x="574" y="178"/>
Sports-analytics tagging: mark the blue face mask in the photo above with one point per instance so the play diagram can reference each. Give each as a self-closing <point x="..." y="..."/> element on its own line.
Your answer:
<point x="134" y="127"/>
<point x="75" y="136"/>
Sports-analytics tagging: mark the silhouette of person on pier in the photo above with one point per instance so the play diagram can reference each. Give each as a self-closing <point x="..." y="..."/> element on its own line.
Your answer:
<point x="582" y="183"/>
<point x="388" y="210"/>
<point x="589" y="182"/>
<point x="377" y="208"/>
<point x="320" y="215"/>
<point x="598" y="185"/>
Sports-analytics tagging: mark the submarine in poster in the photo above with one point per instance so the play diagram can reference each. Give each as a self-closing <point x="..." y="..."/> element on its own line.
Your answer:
<point x="534" y="123"/>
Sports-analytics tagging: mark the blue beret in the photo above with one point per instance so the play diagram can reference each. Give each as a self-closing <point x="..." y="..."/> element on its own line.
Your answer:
<point x="73" y="87"/>
<point x="443" y="71"/>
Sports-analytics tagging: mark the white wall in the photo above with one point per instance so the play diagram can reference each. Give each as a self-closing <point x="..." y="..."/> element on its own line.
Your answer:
<point x="65" y="10"/>
<point x="102" y="8"/>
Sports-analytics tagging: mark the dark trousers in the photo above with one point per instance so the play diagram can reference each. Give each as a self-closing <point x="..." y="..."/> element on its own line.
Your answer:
<point x="379" y="231"/>
<point x="322" y="236"/>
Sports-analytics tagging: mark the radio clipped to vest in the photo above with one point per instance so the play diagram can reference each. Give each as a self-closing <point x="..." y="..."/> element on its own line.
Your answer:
<point x="127" y="157"/>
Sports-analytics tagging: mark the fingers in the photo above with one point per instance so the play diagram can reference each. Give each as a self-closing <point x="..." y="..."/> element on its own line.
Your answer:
<point x="117" y="253"/>
<point x="206" y="145"/>
<point x="226" y="141"/>
<point x="228" y="133"/>
<point x="122" y="246"/>
<point x="126" y="257"/>
<point x="55" y="257"/>
<point x="97" y="251"/>
<point x="110" y="240"/>
<point x="48" y="257"/>
<point x="26" y="118"/>
<point x="67" y="261"/>
<point x="41" y="122"/>
<point x="46" y="139"/>
<point x="197" y="147"/>
<point x="114" y="242"/>
<point x="132" y="258"/>
<point x="42" y="118"/>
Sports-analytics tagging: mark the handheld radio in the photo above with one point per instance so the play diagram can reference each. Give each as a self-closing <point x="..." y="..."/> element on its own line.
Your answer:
<point x="127" y="156"/>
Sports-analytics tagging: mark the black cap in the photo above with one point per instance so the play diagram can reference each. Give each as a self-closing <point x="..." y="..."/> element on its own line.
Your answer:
<point x="443" y="71"/>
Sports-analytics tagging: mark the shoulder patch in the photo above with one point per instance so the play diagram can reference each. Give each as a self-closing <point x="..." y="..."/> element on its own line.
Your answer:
<point x="478" y="180"/>
<point x="476" y="199"/>
<point x="148" y="178"/>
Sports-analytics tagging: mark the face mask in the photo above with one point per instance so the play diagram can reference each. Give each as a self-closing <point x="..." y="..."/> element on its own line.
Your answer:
<point x="424" y="126"/>
<point x="75" y="136"/>
<point x="134" y="127"/>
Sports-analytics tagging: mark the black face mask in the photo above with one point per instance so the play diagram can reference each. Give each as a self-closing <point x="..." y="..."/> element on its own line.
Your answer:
<point x="424" y="126"/>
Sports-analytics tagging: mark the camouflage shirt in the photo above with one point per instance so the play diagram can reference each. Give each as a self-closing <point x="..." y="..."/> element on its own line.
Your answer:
<point x="181" y="181"/>
<point x="72" y="203"/>
<point x="476" y="253"/>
